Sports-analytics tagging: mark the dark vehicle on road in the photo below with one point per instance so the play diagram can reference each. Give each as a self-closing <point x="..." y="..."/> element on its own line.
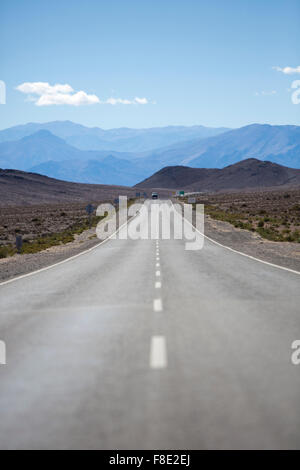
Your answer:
<point x="154" y="196"/>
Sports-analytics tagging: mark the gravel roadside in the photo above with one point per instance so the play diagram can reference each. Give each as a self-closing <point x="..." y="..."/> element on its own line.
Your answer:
<point x="284" y="254"/>
<point x="22" y="264"/>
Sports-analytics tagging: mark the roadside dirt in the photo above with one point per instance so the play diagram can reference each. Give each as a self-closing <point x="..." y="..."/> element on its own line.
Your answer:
<point x="33" y="221"/>
<point x="285" y="254"/>
<point x="22" y="264"/>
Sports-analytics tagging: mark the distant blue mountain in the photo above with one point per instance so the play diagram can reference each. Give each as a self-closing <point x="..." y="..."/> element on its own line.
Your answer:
<point x="43" y="146"/>
<point x="49" y="155"/>
<point x="107" y="171"/>
<point x="120" y="140"/>
<point x="34" y="149"/>
<point x="52" y="156"/>
<point x="279" y="144"/>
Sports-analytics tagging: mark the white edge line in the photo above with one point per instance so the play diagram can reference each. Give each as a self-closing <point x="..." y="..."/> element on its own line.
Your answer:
<point x="240" y="252"/>
<point x="65" y="260"/>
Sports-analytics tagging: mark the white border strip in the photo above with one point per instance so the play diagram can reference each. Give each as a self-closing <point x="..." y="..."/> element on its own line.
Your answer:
<point x="240" y="252"/>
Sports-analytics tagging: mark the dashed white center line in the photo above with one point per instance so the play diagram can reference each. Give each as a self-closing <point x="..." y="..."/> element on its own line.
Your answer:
<point x="158" y="285"/>
<point x="157" y="265"/>
<point x="157" y="305"/>
<point x="158" y="352"/>
<point x="157" y="273"/>
<point x="157" y="258"/>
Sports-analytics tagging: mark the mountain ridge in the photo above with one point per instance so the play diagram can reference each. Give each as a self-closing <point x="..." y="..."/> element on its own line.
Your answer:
<point x="120" y="139"/>
<point x="246" y="174"/>
<point x="51" y="155"/>
<point x="20" y="188"/>
<point x="261" y="141"/>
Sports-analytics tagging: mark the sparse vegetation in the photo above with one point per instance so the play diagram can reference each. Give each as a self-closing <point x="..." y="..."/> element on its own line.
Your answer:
<point x="44" y="226"/>
<point x="44" y="231"/>
<point x="274" y="215"/>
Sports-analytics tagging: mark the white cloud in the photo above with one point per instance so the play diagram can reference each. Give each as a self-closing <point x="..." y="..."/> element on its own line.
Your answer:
<point x="136" y="100"/>
<point x="76" y="99"/>
<point x="44" y="94"/>
<point x="115" y="101"/>
<point x="288" y="70"/>
<point x="265" y="93"/>
<point x="141" y="100"/>
<point x="43" y="88"/>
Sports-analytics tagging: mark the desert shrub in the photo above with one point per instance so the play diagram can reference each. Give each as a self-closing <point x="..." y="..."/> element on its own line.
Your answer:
<point x="3" y="252"/>
<point x="268" y="225"/>
<point x="296" y="233"/>
<point x="270" y="234"/>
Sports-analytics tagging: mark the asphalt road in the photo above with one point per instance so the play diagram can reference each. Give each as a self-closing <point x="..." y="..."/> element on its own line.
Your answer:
<point x="139" y="344"/>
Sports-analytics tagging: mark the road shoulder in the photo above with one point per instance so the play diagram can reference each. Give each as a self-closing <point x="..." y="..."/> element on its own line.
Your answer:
<point x="284" y="254"/>
<point x="19" y="265"/>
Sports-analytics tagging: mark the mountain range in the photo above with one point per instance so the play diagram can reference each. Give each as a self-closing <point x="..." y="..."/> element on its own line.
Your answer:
<point x="45" y="153"/>
<point x="49" y="154"/>
<point x="24" y="188"/>
<point x="279" y="144"/>
<point x="246" y="174"/>
<point x="95" y="170"/>
<point x="119" y="140"/>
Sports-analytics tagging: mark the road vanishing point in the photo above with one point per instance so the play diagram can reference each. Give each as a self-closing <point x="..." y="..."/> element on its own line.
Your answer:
<point x="141" y="344"/>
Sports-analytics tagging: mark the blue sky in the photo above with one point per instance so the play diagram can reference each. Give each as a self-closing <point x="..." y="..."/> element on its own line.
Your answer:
<point x="171" y="62"/>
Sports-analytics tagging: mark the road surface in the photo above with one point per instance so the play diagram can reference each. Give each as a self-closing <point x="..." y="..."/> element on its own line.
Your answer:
<point x="141" y="344"/>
